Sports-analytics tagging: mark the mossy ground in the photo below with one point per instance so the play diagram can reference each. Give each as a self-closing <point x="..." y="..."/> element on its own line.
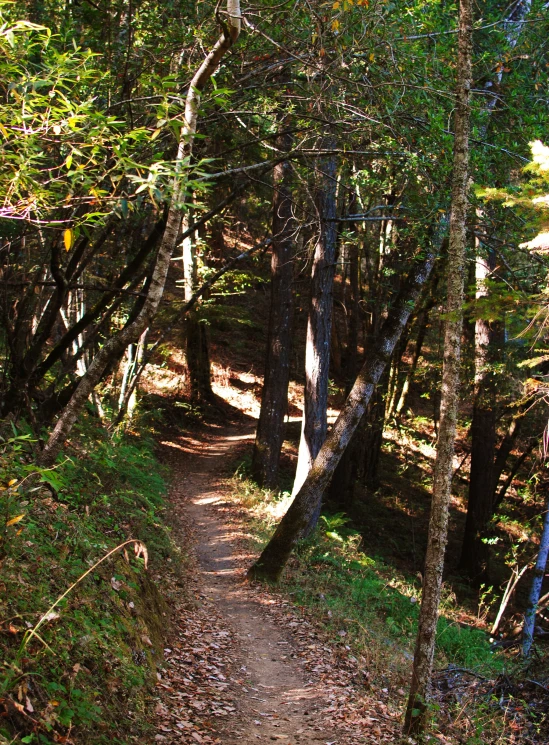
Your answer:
<point x="86" y="676"/>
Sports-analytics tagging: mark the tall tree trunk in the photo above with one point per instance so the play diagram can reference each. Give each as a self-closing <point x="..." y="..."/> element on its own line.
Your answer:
<point x="274" y="400"/>
<point x="319" y="326"/>
<point x="353" y="310"/>
<point x="474" y="553"/>
<point x="271" y="563"/>
<point x="368" y="452"/>
<point x="341" y="487"/>
<point x="116" y="344"/>
<point x="535" y="591"/>
<point x="197" y="351"/>
<point x="415" y="719"/>
<point x="195" y="331"/>
<point x="360" y="461"/>
<point x="505" y="448"/>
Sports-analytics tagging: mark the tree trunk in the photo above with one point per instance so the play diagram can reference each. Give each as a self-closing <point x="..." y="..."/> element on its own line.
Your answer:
<point x="368" y="452"/>
<point x="499" y="496"/>
<point x="403" y="397"/>
<point x="195" y="331"/>
<point x="504" y="450"/>
<point x="415" y="719"/>
<point x="319" y="327"/>
<point x="360" y="461"/>
<point x="351" y="359"/>
<point x="270" y="564"/>
<point x="116" y="344"/>
<point x="131" y="272"/>
<point x="198" y="358"/>
<point x="189" y="305"/>
<point x="475" y="553"/>
<point x="274" y="400"/>
<point x="535" y="591"/>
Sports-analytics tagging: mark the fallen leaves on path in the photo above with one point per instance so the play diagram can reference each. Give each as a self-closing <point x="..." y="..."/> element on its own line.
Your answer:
<point x="357" y="712"/>
<point x="202" y="692"/>
<point x="194" y="689"/>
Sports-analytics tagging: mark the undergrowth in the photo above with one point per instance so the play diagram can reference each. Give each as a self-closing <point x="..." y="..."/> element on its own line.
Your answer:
<point x="85" y="677"/>
<point x="373" y="604"/>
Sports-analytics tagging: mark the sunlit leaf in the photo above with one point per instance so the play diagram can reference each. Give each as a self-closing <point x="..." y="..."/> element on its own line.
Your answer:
<point x="68" y="237"/>
<point x="15" y="520"/>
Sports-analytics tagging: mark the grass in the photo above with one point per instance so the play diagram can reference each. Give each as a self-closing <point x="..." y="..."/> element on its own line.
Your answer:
<point x="93" y="663"/>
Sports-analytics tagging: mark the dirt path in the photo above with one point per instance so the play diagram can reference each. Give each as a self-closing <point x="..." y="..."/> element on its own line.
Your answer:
<point x="245" y="665"/>
<point x="275" y="701"/>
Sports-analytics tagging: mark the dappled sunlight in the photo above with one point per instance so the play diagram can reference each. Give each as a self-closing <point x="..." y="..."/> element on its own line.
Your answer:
<point x="241" y="390"/>
<point x="208" y="500"/>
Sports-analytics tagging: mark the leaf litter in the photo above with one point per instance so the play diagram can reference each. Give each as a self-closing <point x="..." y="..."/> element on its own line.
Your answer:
<point x="204" y="693"/>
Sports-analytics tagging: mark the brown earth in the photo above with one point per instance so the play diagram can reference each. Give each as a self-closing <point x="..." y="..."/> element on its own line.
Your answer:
<point x="244" y="665"/>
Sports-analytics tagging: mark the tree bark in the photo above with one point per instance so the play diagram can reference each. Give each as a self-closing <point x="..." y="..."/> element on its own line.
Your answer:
<point x="535" y="591"/>
<point x="475" y="553"/>
<point x="195" y="332"/>
<point x="274" y="400"/>
<point x="319" y="326"/>
<point x="115" y="345"/>
<point x="197" y="352"/>
<point x="368" y="451"/>
<point x="499" y="496"/>
<point x="415" y="719"/>
<point x="402" y="398"/>
<point x="271" y="563"/>
<point x="504" y="450"/>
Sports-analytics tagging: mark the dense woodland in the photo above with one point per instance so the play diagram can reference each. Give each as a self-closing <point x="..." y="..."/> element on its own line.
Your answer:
<point x="320" y="223"/>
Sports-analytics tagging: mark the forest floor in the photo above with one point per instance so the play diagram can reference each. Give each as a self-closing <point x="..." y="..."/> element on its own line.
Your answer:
<point x="244" y="665"/>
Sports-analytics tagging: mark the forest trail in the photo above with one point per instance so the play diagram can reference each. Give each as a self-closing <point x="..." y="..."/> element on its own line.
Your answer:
<point x="274" y="698"/>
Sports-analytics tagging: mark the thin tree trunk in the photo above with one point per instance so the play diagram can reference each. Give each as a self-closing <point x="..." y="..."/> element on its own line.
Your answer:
<point x="415" y="719"/>
<point x="341" y="490"/>
<point x="271" y="563"/>
<point x="535" y="591"/>
<point x="274" y="400"/>
<point x="131" y="271"/>
<point x="317" y="352"/>
<point x="504" y="450"/>
<point x="116" y="344"/>
<point x="131" y="396"/>
<point x="351" y="362"/>
<point x="198" y="359"/>
<point x="475" y="552"/>
<point x="500" y="495"/>
<point x="403" y="397"/>
<point x="147" y="356"/>
<point x="129" y="365"/>
<point x="368" y="452"/>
